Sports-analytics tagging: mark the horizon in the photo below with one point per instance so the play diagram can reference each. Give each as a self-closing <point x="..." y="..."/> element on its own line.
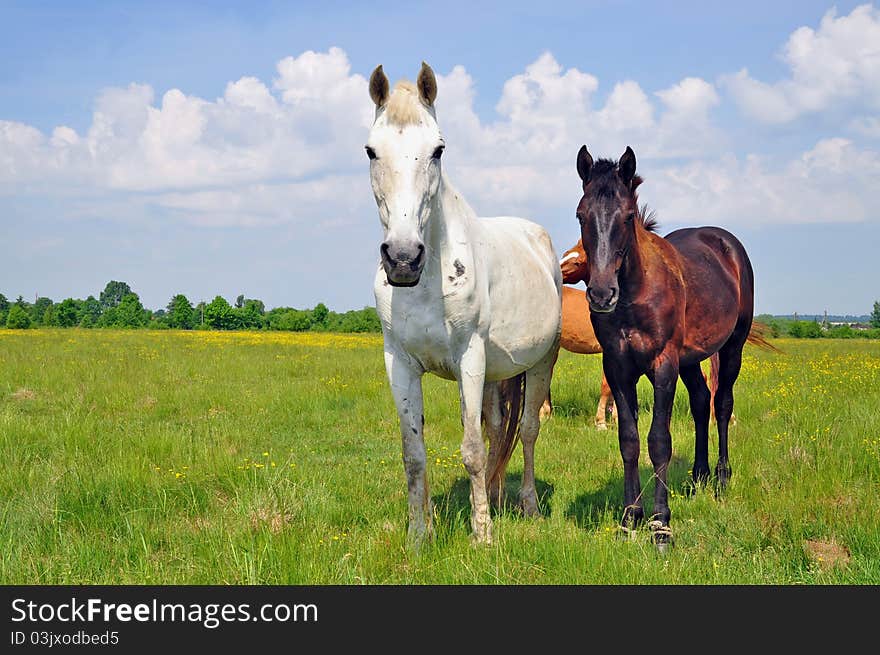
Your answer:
<point x="219" y="150"/>
<point x="232" y="300"/>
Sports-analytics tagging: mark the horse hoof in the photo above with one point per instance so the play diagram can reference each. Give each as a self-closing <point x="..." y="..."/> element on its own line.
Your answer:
<point x="661" y="535"/>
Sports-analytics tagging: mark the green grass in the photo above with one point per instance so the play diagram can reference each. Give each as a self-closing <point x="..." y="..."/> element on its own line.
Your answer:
<point x="164" y="457"/>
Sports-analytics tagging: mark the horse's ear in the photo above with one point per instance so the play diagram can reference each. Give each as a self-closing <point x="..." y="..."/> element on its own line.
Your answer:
<point x="584" y="164"/>
<point x="427" y="85"/>
<point x="379" y="86"/>
<point x="627" y="166"/>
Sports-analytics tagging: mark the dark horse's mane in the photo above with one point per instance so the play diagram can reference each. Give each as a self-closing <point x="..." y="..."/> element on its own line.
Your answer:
<point x="605" y="185"/>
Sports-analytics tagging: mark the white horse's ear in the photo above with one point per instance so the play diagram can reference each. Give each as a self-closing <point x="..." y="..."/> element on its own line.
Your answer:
<point x="427" y="85"/>
<point x="379" y="86"/>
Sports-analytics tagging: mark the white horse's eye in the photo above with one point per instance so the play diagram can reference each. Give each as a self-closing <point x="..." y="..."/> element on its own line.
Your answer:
<point x="370" y="152"/>
<point x="438" y="152"/>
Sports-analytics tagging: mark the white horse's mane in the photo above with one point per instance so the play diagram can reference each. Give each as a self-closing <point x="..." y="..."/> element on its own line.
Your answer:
<point x="403" y="105"/>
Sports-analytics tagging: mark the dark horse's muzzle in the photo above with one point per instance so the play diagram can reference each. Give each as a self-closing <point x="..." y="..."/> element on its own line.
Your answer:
<point x="403" y="264"/>
<point x="602" y="299"/>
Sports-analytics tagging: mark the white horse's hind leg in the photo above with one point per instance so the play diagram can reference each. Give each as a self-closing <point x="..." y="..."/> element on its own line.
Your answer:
<point x="406" y="387"/>
<point x="537" y="387"/>
<point x="471" y="378"/>
<point x="492" y="420"/>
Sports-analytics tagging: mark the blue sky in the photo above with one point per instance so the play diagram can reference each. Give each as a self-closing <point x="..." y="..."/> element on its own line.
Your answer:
<point x="210" y="148"/>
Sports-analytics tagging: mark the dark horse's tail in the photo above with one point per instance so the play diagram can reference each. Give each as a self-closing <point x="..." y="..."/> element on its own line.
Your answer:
<point x="756" y="338"/>
<point x="512" y="396"/>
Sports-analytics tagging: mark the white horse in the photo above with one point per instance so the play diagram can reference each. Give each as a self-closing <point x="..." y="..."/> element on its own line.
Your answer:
<point x="469" y="299"/>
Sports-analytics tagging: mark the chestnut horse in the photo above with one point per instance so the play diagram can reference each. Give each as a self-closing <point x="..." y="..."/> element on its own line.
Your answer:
<point x="577" y="333"/>
<point x="659" y="306"/>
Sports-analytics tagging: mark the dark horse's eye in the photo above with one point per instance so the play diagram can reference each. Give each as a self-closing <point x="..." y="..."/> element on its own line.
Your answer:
<point x="630" y="217"/>
<point x="438" y="152"/>
<point x="370" y="152"/>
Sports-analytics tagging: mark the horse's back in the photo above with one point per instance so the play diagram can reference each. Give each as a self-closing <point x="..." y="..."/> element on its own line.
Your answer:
<point x="524" y="293"/>
<point x="720" y="285"/>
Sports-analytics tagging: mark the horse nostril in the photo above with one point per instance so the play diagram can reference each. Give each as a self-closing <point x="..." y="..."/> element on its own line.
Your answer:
<point x="384" y="250"/>
<point x="419" y="254"/>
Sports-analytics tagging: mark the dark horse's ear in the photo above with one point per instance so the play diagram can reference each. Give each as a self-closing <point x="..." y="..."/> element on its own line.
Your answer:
<point x="627" y="166"/>
<point x="427" y="85"/>
<point x="379" y="86"/>
<point x="584" y="164"/>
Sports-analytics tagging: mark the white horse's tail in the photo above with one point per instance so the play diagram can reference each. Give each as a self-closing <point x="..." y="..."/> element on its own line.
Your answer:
<point x="512" y="400"/>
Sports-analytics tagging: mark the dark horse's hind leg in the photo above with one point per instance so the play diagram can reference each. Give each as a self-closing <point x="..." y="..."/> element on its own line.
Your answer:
<point x="700" y="399"/>
<point x="730" y="360"/>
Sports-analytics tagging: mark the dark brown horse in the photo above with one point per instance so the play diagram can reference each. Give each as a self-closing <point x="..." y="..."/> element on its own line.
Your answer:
<point x="659" y="306"/>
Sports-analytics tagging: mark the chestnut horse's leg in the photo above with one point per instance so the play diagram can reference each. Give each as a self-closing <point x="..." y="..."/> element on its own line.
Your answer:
<point x="604" y="399"/>
<point x="623" y="386"/>
<point x="730" y="361"/>
<point x="664" y="377"/>
<point x="700" y="398"/>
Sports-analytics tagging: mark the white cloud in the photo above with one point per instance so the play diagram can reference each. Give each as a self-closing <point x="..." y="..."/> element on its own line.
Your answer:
<point x="830" y="183"/>
<point x="290" y="150"/>
<point x="836" y="64"/>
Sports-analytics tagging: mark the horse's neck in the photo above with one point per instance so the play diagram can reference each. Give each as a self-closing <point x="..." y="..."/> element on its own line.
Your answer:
<point x="450" y="224"/>
<point x="637" y="257"/>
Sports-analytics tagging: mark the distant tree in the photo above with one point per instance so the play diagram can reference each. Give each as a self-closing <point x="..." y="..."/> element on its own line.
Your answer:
<point x="131" y="313"/>
<point x="67" y="313"/>
<point x="181" y="314"/>
<point x="113" y="294"/>
<point x="89" y="312"/>
<point x="38" y="310"/>
<point x="4" y="309"/>
<point x="199" y="315"/>
<point x="295" y="320"/>
<point x="251" y="314"/>
<point x="875" y="315"/>
<point x="805" y="329"/>
<point x="49" y="316"/>
<point x="219" y="314"/>
<point x="319" y="315"/>
<point x="255" y="306"/>
<point x="239" y="302"/>
<point x="356" y="320"/>
<point x="18" y="318"/>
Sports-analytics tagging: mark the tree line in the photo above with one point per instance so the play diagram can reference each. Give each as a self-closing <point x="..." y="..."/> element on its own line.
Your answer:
<point x="816" y="329"/>
<point x="117" y="306"/>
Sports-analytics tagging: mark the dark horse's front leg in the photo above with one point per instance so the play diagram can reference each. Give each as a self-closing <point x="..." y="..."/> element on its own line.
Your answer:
<point x="622" y="380"/>
<point x="664" y="376"/>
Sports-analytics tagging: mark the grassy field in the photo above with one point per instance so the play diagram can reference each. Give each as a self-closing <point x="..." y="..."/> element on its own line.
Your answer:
<point x="169" y="457"/>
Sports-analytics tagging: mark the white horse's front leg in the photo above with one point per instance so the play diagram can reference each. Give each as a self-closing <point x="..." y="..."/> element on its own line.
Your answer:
<point x="405" y="378"/>
<point x="472" y="375"/>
